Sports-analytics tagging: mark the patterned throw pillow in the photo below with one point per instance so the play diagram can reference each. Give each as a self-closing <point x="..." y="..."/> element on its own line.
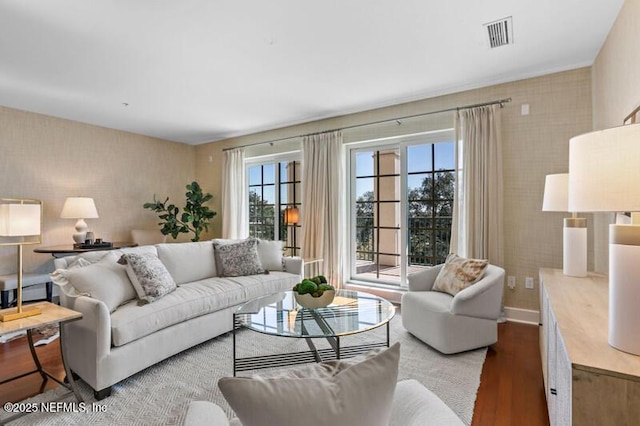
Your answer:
<point x="238" y="259"/>
<point x="148" y="275"/>
<point x="458" y="273"/>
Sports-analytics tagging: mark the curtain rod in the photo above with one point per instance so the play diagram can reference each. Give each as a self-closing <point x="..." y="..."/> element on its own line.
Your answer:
<point x="501" y="102"/>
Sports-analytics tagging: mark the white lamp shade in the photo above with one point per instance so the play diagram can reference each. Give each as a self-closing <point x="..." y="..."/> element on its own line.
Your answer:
<point x="79" y="208"/>
<point x="20" y="220"/>
<point x="604" y="170"/>
<point x="556" y="193"/>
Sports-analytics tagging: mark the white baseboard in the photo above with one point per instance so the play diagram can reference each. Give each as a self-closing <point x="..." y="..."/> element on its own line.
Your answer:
<point x="526" y="316"/>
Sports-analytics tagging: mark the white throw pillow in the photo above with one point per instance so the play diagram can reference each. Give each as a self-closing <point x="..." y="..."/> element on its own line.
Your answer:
<point x="328" y="394"/>
<point x="270" y="254"/>
<point x="104" y="280"/>
<point x="149" y="276"/>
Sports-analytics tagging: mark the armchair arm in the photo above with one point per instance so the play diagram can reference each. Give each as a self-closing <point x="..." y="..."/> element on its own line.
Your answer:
<point x="423" y="280"/>
<point x="484" y="298"/>
<point x="293" y="265"/>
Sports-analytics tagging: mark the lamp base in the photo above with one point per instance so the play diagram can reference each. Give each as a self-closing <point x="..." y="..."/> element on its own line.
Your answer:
<point x="12" y="314"/>
<point x="574" y="247"/>
<point x="624" y="292"/>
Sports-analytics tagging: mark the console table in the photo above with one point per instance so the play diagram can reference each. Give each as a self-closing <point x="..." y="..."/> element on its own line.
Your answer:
<point x="69" y="250"/>
<point x="587" y="382"/>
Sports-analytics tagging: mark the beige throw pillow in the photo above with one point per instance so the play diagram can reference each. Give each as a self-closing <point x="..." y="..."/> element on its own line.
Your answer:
<point x="328" y="394"/>
<point x="104" y="280"/>
<point x="458" y="273"/>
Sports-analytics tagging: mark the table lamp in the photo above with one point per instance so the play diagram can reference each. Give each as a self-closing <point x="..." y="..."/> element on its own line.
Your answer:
<point x="80" y="208"/>
<point x="574" y="232"/>
<point x="20" y="224"/>
<point x="604" y="176"/>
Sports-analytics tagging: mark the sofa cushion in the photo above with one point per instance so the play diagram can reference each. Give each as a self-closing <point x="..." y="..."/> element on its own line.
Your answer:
<point x="131" y="322"/>
<point x="238" y="259"/>
<point x="113" y="287"/>
<point x="270" y="254"/>
<point x="187" y="262"/>
<point x="459" y="273"/>
<point x="334" y="393"/>
<point x="149" y="276"/>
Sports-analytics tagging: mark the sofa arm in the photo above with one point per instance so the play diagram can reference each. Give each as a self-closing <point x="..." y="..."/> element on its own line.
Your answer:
<point x="293" y="265"/>
<point x="415" y="405"/>
<point x="423" y="280"/>
<point x="482" y="299"/>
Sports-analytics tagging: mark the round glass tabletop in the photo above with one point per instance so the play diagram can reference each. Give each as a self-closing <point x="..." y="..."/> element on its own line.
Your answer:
<point x="351" y="312"/>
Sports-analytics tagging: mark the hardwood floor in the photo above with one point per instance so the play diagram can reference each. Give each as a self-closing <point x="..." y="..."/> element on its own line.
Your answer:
<point x="511" y="386"/>
<point x="511" y="389"/>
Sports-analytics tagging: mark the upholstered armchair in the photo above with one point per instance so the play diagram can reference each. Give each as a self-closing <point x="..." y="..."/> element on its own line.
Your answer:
<point x="453" y="324"/>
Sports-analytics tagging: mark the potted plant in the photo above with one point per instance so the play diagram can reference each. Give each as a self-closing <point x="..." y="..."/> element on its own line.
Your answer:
<point x="194" y="218"/>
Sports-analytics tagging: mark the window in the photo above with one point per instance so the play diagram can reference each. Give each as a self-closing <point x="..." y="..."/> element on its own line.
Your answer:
<point x="402" y="204"/>
<point x="274" y="187"/>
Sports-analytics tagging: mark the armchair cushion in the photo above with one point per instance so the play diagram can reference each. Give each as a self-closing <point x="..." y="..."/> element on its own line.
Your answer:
<point x="459" y="273"/>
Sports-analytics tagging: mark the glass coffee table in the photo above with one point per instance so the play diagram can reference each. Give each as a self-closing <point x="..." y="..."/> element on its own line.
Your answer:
<point x="278" y="314"/>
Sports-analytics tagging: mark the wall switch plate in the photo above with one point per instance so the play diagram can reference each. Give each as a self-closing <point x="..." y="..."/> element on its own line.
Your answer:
<point x="511" y="282"/>
<point x="528" y="282"/>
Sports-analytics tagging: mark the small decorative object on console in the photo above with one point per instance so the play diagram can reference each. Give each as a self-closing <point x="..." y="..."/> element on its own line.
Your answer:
<point x="314" y="293"/>
<point x="96" y="245"/>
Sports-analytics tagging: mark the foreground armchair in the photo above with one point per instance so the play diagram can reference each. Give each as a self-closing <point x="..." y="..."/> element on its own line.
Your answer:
<point x="453" y="324"/>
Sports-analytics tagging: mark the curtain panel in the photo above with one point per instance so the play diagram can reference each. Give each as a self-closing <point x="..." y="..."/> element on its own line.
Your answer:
<point x="235" y="224"/>
<point x="323" y="202"/>
<point x="477" y="230"/>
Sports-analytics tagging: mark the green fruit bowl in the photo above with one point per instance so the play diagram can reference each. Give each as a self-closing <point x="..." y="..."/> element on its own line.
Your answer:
<point x="310" y="302"/>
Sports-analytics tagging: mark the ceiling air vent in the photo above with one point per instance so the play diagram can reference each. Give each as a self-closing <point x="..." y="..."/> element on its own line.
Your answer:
<point x="500" y="32"/>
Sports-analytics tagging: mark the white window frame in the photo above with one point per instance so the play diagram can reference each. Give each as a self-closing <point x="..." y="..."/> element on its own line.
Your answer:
<point x="401" y="142"/>
<point x="271" y="159"/>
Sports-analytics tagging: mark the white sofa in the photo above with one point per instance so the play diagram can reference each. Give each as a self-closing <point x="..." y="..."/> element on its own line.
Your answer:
<point x="413" y="405"/>
<point x="106" y="347"/>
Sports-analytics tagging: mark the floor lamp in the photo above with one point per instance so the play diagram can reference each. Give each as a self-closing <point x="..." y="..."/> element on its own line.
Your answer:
<point x="604" y="176"/>
<point x="20" y="224"/>
<point x="291" y="218"/>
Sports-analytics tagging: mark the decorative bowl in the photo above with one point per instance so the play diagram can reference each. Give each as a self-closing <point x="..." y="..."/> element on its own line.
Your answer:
<point x="310" y="302"/>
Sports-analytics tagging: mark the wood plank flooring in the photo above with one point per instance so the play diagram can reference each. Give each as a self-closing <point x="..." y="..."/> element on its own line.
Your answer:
<point x="511" y="390"/>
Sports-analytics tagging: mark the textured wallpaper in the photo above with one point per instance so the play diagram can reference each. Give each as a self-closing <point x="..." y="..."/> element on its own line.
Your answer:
<point x="50" y="159"/>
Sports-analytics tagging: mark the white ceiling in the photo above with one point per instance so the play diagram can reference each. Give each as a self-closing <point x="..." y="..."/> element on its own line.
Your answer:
<point x="201" y="70"/>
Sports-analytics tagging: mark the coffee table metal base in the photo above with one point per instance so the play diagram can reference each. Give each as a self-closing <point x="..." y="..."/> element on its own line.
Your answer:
<point x="336" y="351"/>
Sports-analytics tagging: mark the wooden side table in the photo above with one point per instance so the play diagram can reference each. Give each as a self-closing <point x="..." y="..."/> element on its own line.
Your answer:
<point x="51" y="314"/>
<point x="69" y="250"/>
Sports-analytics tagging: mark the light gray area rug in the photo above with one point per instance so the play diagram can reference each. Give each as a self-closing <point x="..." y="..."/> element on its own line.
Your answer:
<point x="160" y="394"/>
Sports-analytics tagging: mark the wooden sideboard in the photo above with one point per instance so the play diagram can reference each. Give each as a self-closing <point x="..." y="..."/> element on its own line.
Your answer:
<point x="587" y="382"/>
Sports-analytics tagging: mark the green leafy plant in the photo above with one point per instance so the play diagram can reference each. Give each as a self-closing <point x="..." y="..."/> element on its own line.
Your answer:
<point x="194" y="218"/>
<point x="315" y="286"/>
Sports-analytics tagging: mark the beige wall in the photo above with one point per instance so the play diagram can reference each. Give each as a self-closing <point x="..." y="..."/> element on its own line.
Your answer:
<point x="534" y="146"/>
<point x="616" y="92"/>
<point x="50" y="159"/>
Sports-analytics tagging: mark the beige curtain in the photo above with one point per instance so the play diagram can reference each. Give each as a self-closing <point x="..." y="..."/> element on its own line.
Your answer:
<point x="234" y="195"/>
<point x="323" y="202"/>
<point x="477" y="230"/>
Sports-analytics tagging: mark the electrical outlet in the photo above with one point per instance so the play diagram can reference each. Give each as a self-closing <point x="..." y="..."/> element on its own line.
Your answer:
<point x="528" y="282"/>
<point x="511" y="282"/>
